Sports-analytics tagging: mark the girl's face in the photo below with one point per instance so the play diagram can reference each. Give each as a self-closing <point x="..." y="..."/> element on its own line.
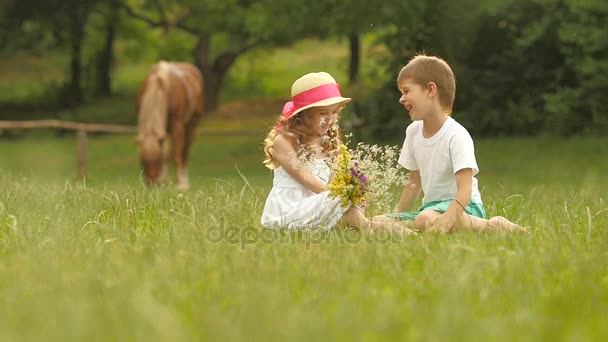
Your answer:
<point x="324" y="117"/>
<point x="417" y="100"/>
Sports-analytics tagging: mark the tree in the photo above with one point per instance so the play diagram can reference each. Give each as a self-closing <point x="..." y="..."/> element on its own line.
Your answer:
<point x="522" y="67"/>
<point x="578" y="104"/>
<point x="225" y="29"/>
<point x="15" y="22"/>
<point x="539" y="66"/>
<point x="68" y="27"/>
<point x="352" y="19"/>
<point x="415" y="26"/>
<point x="105" y="56"/>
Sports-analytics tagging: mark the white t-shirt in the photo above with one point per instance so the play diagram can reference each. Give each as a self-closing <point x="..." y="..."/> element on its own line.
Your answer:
<point x="438" y="158"/>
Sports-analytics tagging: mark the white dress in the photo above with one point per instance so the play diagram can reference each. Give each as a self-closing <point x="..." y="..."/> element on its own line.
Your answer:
<point x="292" y="206"/>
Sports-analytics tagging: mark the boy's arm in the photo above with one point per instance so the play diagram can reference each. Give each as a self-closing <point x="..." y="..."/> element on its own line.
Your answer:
<point x="410" y="192"/>
<point x="447" y="221"/>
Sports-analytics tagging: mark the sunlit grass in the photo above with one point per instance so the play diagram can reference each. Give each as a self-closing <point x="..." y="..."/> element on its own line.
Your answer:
<point x="26" y="77"/>
<point x="110" y="259"/>
<point x="269" y="73"/>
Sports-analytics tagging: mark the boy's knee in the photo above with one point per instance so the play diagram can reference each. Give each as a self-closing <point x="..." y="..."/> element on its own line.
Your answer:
<point x="425" y="218"/>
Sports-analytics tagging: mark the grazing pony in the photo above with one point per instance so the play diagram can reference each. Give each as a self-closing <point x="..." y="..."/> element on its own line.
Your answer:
<point x="169" y="105"/>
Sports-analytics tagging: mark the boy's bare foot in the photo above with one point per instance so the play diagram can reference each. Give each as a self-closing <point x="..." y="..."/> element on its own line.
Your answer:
<point x="501" y="223"/>
<point x="403" y="230"/>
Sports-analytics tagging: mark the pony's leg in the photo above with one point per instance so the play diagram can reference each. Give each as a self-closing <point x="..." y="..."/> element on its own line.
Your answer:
<point x="188" y="137"/>
<point x="164" y="145"/>
<point x="177" y="133"/>
<point x="190" y="133"/>
<point x="183" y="180"/>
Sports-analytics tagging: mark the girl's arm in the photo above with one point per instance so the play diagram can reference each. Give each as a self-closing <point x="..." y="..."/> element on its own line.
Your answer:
<point x="286" y="156"/>
<point x="410" y="192"/>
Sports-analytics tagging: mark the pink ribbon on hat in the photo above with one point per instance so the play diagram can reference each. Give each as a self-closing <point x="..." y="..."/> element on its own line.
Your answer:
<point x="308" y="97"/>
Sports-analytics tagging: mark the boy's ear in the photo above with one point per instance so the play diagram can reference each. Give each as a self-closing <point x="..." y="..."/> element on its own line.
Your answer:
<point x="431" y="88"/>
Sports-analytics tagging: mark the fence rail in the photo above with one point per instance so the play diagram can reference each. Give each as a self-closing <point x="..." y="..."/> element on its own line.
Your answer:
<point x="82" y="128"/>
<point x="106" y="128"/>
<point x="71" y="125"/>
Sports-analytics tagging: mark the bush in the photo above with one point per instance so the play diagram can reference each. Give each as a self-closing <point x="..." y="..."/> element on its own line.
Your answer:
<point x="520" y="76"/>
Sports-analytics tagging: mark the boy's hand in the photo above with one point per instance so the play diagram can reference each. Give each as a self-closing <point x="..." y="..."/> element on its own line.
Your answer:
<point x="445" y="223"/>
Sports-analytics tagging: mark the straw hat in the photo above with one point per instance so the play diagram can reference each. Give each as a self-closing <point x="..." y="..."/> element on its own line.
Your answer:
<point x="316" y="89"/>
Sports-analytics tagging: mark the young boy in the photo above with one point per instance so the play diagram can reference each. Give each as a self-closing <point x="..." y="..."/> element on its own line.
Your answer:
<point x="439" y="154"/>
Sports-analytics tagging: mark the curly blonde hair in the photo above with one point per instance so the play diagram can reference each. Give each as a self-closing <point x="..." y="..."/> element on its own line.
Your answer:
<point x="296" y="129"/>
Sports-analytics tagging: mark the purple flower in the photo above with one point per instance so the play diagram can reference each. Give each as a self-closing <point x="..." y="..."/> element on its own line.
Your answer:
<point x="363" y="178"/>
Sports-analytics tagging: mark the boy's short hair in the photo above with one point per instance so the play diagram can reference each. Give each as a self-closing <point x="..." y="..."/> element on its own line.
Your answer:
<point x="423" y="69"/>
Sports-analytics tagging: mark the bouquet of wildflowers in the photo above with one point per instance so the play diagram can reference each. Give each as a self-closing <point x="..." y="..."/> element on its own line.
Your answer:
<point x="386" y="176"/>
<point x="349" y="183"/>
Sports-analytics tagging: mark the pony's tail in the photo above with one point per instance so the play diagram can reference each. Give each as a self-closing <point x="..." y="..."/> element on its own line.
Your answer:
<point x="268" y="142"/>
<point x="153" y="108"/>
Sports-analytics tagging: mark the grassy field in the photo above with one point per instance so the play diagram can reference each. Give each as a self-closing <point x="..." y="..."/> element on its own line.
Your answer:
<point x="108" y="259"/>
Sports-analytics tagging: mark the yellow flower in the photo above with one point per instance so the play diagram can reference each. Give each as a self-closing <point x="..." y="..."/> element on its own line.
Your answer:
<point x="349" y="183"/>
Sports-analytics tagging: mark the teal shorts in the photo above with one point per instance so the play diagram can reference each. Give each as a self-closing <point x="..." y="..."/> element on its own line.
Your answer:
<point x="473" y="209"/>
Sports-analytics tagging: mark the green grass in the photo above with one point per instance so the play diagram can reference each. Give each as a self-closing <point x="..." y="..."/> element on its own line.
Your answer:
<point x="25" y="76"/>
<point x="112" y="260"/>
<point x="109" y="259"/>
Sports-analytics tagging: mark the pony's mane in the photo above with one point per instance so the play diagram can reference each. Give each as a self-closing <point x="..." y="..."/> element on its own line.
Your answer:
<point x="153" y="104"/>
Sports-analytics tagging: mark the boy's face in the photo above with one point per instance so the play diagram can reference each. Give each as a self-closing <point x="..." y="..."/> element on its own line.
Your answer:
<point x="324" y="117"/>
<point x="417" y="100"/>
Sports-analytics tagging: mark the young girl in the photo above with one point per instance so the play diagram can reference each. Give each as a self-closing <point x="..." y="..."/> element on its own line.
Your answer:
<point x="440" y="155"/>
<point x="299" y="150"/>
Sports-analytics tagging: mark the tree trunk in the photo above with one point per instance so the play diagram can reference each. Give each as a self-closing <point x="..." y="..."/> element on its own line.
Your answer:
<point x="201" y="59"/>
<point x="213" y="74"/>
<point x="212" y="91"/>
<point x="78" y="18"/>
<point x="355" y="58"/>
<point x="105" y="58"/>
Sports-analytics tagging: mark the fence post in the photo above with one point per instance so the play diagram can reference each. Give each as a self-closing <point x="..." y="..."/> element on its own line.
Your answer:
<point x="81" y="153"/>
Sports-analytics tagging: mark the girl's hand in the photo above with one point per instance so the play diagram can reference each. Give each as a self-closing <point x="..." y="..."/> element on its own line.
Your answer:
<point x="286" y="156"/>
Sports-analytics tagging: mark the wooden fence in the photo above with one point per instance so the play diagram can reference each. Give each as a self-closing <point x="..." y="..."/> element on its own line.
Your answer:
<point x="83" y="129"/>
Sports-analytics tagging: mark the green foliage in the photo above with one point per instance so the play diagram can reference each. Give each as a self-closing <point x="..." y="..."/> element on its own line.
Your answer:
<point x="585" y="52"/>
<point x="175" y="47"/>
<point x="522" y="67"/>
<point x="262" y="74"/>
<point x="439" y="27"/>
<point x="136" y="42"/>
<point x="269" y="73"/>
